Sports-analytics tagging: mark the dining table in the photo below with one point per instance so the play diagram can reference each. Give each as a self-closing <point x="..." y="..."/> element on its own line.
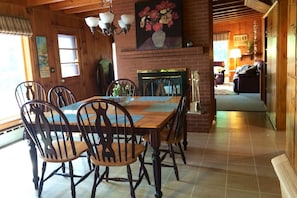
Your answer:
<point x="150" y="115"/>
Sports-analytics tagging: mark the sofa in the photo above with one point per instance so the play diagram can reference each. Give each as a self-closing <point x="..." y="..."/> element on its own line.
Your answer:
<point x="247" y="78"/>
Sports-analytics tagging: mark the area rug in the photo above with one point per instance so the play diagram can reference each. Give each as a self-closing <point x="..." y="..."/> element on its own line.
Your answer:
<point x="224" y="89"/>
<point x="240" y="102"/>
<point x="224" y="92"/>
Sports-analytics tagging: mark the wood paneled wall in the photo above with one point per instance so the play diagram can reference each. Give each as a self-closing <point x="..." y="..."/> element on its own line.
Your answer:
<point x="291" y="110"/>
<point x="47" y="23"/>
<point x="243" y="26"/>
<point x="277" y="28"/>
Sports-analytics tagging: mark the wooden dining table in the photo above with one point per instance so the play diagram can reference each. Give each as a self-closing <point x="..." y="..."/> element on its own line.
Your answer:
<point x="155" y="113"/>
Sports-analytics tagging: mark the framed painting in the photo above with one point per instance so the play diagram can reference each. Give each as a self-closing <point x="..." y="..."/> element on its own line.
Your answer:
<point x="240" y="40"/>
<point x="158" y="24"/>
<point x="42" y="56"/>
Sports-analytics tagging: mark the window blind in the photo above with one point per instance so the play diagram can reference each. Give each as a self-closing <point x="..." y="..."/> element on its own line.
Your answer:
<point x="15" y="25"/>
<point x="221" y="36"/>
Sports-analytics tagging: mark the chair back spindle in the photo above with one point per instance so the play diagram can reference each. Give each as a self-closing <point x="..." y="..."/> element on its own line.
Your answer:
<point x="108" y="129"/>
<point x="61" y="96"/>
<point x="29" y="90"/>
<point x="178" y="122"/>
<point x="45" y="124"/>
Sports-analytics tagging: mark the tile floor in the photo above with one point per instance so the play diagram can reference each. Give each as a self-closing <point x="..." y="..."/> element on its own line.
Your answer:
<point x="231" y="161"/>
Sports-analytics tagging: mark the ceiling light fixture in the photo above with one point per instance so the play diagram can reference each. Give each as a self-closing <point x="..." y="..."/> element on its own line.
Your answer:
<point x="105" y="22"/>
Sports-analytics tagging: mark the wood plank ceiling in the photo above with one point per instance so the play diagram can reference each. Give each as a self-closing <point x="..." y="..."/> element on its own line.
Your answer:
<point x="223" y="10"/>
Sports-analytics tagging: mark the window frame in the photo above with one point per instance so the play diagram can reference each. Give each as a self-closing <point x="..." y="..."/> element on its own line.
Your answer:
<point x="76" y="49"/>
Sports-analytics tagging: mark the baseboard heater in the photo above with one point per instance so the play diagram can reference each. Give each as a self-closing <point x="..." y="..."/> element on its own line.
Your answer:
<point x="11" y="135"/>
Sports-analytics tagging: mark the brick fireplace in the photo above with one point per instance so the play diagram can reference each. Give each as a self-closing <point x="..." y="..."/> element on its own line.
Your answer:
<point x="197" y="28"/>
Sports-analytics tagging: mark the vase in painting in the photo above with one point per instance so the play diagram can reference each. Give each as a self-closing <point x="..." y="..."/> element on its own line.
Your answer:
<point x="158" y="38"/>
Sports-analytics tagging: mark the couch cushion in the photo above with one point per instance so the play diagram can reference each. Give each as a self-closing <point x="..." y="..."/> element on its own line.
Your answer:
<point x="242" y="69"/>
<point x="252" y="70"/>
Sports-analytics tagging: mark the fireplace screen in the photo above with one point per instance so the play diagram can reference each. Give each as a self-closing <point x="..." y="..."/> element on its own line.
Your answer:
<point x="173" y="81"/>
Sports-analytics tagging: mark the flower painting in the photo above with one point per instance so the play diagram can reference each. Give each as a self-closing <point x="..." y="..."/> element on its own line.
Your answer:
<point x="158" y="24"/>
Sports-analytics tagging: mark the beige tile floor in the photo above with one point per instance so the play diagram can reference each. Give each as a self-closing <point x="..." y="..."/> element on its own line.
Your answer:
<point x="231" y="161"/>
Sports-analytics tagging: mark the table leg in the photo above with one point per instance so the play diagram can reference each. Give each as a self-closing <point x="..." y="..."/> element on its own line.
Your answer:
<point x="156" y="161"/>
<point x="157" y="171"/>
<point x="33" y="156"/>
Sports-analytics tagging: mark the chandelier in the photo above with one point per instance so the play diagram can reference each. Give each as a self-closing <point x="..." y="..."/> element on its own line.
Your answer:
<point x="105" y="22"/>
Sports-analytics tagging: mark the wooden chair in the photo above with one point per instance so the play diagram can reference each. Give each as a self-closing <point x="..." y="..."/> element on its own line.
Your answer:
<point x="108" y="129"/>
<point x="26" y="91"/>
<point x="124" y="86"/>
<point x="29" y="90"/>
<point x="61" y="96"/>
<point x="45" y="123"/>
<point x="172" y="135"/>
<point x="160" y="87"/>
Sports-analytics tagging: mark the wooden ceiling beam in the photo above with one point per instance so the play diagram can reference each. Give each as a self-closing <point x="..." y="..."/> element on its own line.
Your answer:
<point x="224" y="12"/>
<point x="234" y="16"/>
<point x="32" y="3"/>
<point x="229" y="7"/>
<point x="225" y="3"/>
<point x="94" y="13"/>
<point x="87" y="8"/>
<point x="74" y="4"/>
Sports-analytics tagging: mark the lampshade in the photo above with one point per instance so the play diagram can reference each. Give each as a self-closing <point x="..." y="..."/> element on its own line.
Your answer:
<point x="121" y="24"/>
<point x="235" y="53"/>
<point x="106" y="17"/>
<point x="101" y="24"/>
<point x="127" y="18"/>
<point x="92" y="21"/>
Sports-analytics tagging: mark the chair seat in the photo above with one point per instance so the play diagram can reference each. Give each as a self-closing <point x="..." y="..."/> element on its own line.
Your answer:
<point x="139" y="148"/>
<point x="62" y="157"/>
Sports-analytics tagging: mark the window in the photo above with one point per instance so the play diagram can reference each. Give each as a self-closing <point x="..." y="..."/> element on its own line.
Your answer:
<point x="221" y="48"/>
<point x="12" y="73"/>
<point x="68" y="52"/>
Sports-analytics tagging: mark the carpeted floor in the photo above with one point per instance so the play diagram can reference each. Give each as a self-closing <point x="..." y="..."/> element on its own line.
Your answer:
<point x="227" y="100"/>
<point x="240" y="102"/>
<point x="224" y="89"/>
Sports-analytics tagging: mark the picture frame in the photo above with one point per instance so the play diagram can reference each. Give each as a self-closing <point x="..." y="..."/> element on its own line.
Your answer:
<point x="42" y="56"/>
<point x="240" y="40"/>
<point x="158" y="24"/>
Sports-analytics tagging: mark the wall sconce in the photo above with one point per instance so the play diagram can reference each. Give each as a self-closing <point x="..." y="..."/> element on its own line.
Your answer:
<point x="235" y="53"/>
<point x="105" y="23"/>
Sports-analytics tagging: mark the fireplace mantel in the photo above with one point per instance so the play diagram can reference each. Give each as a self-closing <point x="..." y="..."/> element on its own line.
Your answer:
<point x="132" y="54"/>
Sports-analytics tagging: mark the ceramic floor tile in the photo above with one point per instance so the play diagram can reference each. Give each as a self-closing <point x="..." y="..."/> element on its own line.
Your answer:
<point x="234" y="193"/>
<point x="231" y="161"/>
<point x="242" y="182"/>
